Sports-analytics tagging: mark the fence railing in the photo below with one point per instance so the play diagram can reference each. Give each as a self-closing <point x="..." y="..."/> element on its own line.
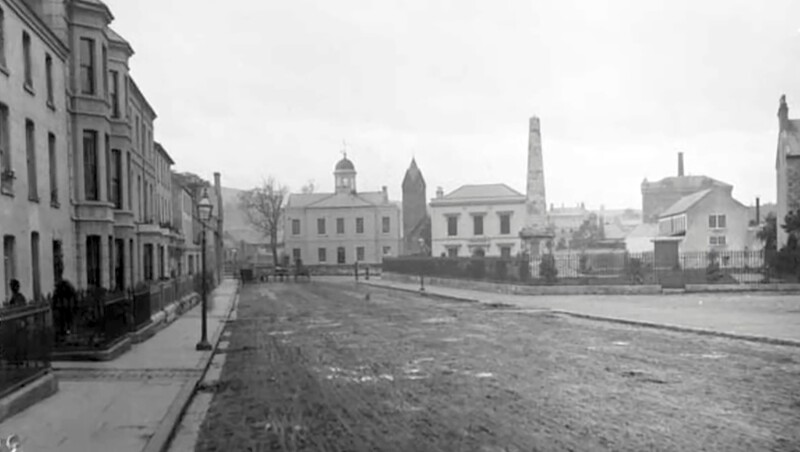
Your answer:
<point x="25" y="345"/>
<point x="90" y="319"/>
<point x="615" y="267"/>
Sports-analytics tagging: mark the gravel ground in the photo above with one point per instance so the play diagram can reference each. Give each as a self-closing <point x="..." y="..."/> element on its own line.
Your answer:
<point x="322" y="367"/>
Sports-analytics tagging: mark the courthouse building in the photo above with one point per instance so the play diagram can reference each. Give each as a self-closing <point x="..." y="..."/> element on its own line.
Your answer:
<point x="343" y="227"/>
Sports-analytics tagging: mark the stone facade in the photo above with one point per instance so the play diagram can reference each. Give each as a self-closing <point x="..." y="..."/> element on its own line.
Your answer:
<point x="787" y="166"/>
<point x="478" y="220"/>
<point x="343" y="227"/>
<point x="35" y="221"/>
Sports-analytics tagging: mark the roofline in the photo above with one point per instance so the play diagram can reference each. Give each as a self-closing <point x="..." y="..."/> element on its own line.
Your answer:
<point x="441" y="202"/>
<point x="123" y="43"/>
<point x="30" y="18"/>
<point x="144" y="99"/>
<point x="101" y="7"/>
<point x="163" y="151"/>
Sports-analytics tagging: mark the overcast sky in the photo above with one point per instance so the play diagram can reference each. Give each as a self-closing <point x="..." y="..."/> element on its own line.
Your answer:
<point x="253" y="88"/>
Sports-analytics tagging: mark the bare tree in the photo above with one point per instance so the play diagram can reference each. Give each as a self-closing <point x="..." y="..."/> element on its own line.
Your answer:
<point x="309" y="187"/>
<point x="263" y="207"/>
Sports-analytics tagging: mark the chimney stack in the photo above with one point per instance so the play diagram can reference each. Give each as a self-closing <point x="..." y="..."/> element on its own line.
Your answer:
<point x="385" y="191"/>
<point x="758" y="211"/>
<point x="680" y="164"/>
<point x="783" y="113"/>
<point x="439" y="192"/>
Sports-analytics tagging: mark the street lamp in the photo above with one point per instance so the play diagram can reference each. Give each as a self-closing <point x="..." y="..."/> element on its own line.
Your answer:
<point x="204" y="208"/>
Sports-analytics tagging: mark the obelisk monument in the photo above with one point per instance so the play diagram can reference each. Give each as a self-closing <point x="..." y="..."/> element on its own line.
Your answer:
<point x="535" y="230"/>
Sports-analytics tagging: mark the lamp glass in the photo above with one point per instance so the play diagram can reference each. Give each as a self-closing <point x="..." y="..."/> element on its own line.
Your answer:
<point x="204" y="208"/>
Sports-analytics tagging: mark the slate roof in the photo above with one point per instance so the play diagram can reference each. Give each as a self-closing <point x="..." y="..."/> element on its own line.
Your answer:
<point x="335" y="200"/>
<point x="643" y="230"/>
<point x="685" y="203"/>
<point x="482" y="192"/>
<point x="685" y="183"/>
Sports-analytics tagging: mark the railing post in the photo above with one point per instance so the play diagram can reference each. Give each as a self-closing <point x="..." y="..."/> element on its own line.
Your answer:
<point x="355" y="270"/>
<point x="366" y="273"/>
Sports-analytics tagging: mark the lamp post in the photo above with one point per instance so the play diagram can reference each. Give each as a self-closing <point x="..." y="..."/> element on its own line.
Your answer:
<point x="204" y="208"/>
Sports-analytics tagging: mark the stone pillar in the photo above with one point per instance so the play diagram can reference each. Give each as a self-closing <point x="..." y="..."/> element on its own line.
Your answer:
<point x="536" y="204"/>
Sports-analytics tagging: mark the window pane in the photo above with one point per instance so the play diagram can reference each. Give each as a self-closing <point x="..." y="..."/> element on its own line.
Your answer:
<point x="721" y="221"/>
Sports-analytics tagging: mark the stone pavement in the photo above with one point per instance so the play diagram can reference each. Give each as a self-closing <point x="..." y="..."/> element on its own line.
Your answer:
<point x="773" y="316"/>
<point x="120" y="405"/>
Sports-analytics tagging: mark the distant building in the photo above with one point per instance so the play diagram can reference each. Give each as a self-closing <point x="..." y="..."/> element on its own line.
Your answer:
<point x="416" y="221"/>
<point x="565" y="221"/>
<point x="709" y="219"/>
<point x="660" y="195"/>
<point x="343" y="227"/>
<point x="478" y="220"/>
<point x="787" y="165"/>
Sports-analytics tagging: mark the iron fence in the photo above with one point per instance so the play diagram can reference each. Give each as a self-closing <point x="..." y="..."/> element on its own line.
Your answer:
<point x="600" y="267"/>
<point x="25" y="345"/>
<point x="142" y="311"/>
<point x="90" y="319"/>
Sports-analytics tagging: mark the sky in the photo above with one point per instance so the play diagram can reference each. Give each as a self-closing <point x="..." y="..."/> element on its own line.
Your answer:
<point x="254" y="88"/>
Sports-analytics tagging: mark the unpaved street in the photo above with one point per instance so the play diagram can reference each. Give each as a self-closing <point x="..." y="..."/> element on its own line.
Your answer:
<point x="324" y="367"/>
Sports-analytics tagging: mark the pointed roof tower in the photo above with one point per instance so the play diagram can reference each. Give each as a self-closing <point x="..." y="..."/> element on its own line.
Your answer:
<point x="413" y="177"/>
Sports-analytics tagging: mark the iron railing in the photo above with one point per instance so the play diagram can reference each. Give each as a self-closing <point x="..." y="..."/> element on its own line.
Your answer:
<point x="90" y="319"/>
<point x="25" y="345"/>
<point x="600" y="267"/>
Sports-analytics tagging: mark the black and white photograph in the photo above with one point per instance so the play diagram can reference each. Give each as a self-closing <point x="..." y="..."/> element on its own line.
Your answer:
<point x="399" y="226"/>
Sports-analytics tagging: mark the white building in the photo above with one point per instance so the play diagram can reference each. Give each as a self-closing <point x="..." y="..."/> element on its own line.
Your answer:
<point x="343" y="227"/>
<point x="477" y="220"/>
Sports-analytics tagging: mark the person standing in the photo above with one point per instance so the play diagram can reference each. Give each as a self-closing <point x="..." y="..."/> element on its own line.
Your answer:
<point x="17" y="299"/>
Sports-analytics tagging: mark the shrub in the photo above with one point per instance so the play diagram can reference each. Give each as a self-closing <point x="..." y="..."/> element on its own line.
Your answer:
<point x="547" y="268"/>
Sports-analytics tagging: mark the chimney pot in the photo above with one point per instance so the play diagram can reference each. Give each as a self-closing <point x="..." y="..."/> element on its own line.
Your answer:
<point x="783" y="113"/>
<point x="439" y="192"/>
<point x="680" y="164"/>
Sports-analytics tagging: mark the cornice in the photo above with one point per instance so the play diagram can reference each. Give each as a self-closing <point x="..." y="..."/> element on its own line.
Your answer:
<point x="34" y="22"/>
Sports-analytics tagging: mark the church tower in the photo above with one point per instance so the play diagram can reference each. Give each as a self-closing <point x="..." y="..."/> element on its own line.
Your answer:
<point x="416" y="223"/>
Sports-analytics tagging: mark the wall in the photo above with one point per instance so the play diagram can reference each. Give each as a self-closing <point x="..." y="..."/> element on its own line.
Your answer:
<point x="491" y="238"/>
<point x="698" y="232"/>
<point x="20" y="216"/>
<point x="373" y="239"/>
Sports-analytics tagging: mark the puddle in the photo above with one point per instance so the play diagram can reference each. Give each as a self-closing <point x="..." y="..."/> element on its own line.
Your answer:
<point x="484" y="375"/>
<point x="621" y="343"/>
<point x="439" y="320"/>
<point x="279" y="333"/>
<point x="714" y="355"/>
<point x="452" y="339"/>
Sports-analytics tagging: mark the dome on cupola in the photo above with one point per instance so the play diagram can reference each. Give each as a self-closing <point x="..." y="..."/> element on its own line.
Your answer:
<point x="345" y="165"/>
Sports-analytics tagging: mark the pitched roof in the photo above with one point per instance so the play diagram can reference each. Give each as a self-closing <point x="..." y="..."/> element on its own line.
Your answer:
<point x="683" y="204"/>
<point x="334" y="200"/>
<point x="643" y="230"/>
<point x="685" y="183"/>
<point x="792" y="141"/>
<point x="483" y="191"/>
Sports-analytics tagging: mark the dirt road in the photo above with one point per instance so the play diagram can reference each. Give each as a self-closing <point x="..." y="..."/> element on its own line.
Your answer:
<point x="322" y="367"/>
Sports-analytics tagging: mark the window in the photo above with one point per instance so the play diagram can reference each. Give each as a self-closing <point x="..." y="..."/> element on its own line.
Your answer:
<point x="53" y="163"/>
<point x="35" y="270"/>
<point x="295" y="227"/>
<point x="322" y="255"/>
<point x="116" y="178"/>
<point x="359" y="225"/>
<point x="132" y="265"/>
<point x="90" y="173"/>
<point x="340" y="255"/>
<point x="452" y="251"/>
<point x="87" y="65"/>
<point x="130" y="180"/>
<point x="296" y="254"/>
<point x="6" y="180"/>
<point x="477" y="224"/>
<point x="340" y="225"/>
<point x="109" y="168"/>
<point x="9" y="262"/>
<point x="93" y="260"/>
<point x="360" y="253"/>
<point x="162" y="270"/>
<point x="114" y="94"/>
<point x="119" y="264"/>
<point x="716" y="221"/>
<point x="505" y="252"/>
<point x="148" y="262"/>
<point x="48" y="67"/>
<point x="716" y="240"/>
<point x="105" y="71"/>
<point x="191" y="264"/>
<point x="505" y="223"/>
<point x="320" y="225"/>
<point x="58" y="260"/>
<point x="452" y="226"/>
<point x="30" y="152"/>
<point x="387" y="250"/>
<point x="2" y="39"/>
<point x="385" y="224"/>
<point x="26" y="55"/>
